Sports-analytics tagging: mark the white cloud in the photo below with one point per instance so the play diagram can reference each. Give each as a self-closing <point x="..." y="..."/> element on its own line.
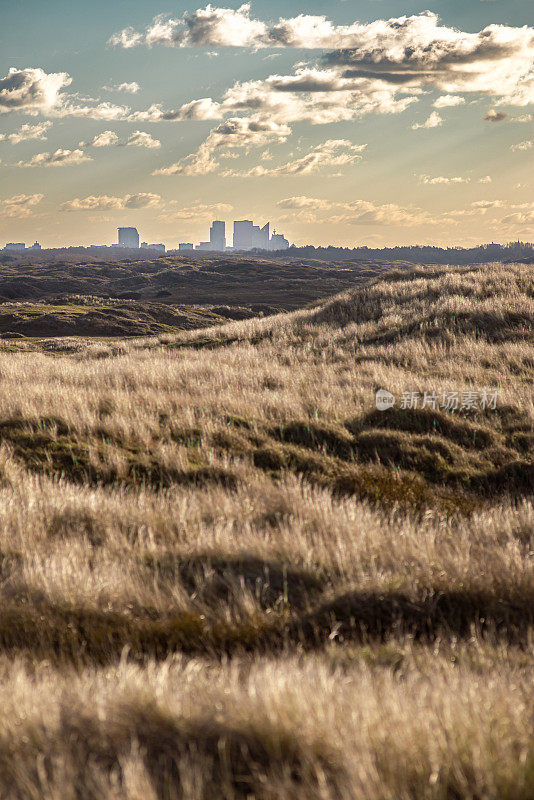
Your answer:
<point x="484" y="205"/>
<point x="449" y="101"/>
<point x="236" y="132"/>
<point x="495" y="116"/>
<point x="441" y="179"/>
<point x="61" y="158"/>
<point x="203" y="108"/>
<point x="196" y="211"/>
<point x="315" y="95"/>
<point x="129" y="88"/>
<point x="522" y="118"/>
<point x="332" y="153"/>
<point x="211" y="26"/>
<point x="356" y="212"/>
<point x="104" y="139"/>
<point x="520" y="218"/>
<point x="486" y="179"/>
<point x="415" y="50"/>
<point x="522" y="146"/>
<point x="27" y="132"/>
<point x="108" y="112"/>
<point x="31" y="90"/>
<point x="107" y="202"/>
<point x="126" y="38"/>
<point x="19" y="205"/>
<point x="142" y="139"/>
<point x="434" y="121"/>
<point x="111" y="139"/>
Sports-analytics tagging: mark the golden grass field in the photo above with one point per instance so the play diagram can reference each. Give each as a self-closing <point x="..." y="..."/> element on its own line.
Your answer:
<point x="226" y="575"/>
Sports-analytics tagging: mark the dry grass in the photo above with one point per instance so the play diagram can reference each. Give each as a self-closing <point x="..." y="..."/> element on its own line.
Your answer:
<point x="225" y="575"/>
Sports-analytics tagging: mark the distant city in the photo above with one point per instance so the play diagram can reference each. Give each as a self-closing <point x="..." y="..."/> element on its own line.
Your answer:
<point x="247" y="236"/>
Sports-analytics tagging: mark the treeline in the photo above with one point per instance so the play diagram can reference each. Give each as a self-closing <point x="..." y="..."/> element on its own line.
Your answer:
<point x="425" y="254"/>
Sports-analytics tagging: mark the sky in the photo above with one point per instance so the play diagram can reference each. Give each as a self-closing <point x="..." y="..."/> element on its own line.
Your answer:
<point x="377" y="122"/>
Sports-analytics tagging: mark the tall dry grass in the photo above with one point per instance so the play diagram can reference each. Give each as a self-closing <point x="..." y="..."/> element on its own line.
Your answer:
<point x="224" y="574"/>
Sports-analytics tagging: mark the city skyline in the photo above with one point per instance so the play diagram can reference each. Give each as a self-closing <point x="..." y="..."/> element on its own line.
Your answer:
<point x="246" y="236"/>
<point x="372" y="124"/>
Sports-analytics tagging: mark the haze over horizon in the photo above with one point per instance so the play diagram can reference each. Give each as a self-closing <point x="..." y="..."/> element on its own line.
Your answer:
<point x="379" y="123"/>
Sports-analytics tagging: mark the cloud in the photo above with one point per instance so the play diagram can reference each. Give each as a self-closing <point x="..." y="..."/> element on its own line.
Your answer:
<point x="441" y="179"/>
<point x="236" y="132"/>
<point x="434" y="121"/>
<point x="106" y="202"/>
<point x="301" y="201"/>
<point x="356" y="212"/>
<point x="111" y="139"/>
<point x="20" y="205"/>
<point x="203" y="108"/>
<point x="27" y="132"/>
<point x="522" y="146"/>
<point x="314" y="95"/>
<point x="332" y="153"/>
<point x="196" y="211"/>
<point x="495" y="116"/>
<point x="126" y="38"/>
<point x="484" y="205"/>
<point x="449" y="101"/>
<point x="211" y="27"/>
<point x="31" y="90"/>
<point x="415" y="50"/>
<point x="486" y="179"/>
<point x="142" y="139"/>
<point x="72" y="107"/>
<point x="61" y="158"/>
<point x="129" y="88"/>
<point x="34" y="91"/>
<point x="522" y="118"/>
<point x="520" y="218"/>
<point x="104" y="139"/>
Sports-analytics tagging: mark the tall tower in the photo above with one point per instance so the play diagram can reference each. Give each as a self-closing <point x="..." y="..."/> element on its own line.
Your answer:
<point x="218" y="235"/>
<point x="243" y="234"/>
<point x="128" y="237"/>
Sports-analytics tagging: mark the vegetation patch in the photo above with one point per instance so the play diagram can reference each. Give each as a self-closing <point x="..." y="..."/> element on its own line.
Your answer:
<point x="360" y="615"/>
<point x="213" y="578"/>
<point x="49" y="446"/>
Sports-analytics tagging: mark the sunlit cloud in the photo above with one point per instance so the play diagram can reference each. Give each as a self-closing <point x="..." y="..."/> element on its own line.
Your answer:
<point x="61" y="158"/>
<point x="495" y="116"/>
<point x="334" y="153"/>
<point x="20" y="205"/>
<point x="410" y="50"/>
<point x="443" y="180"/>
<point x="433" y="121"/>
<point x="28" y="132"/>
<point x="235" y="132"/>
<point x="110" y="203"/>
<point x="31" y="90"/>
<point x="131" y="87"/>
<point x="522" y="146"/>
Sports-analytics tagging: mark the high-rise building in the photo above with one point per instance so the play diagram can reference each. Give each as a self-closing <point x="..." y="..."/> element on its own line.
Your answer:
<point x="186" y="246"/>
<point x="218" y="235"/>
<point x="128" y="237"/>
<point x="278" y="242"/>
<point x="15" y="246"/>
<point x="243" y="234"/>
<point x="260" y="237"/>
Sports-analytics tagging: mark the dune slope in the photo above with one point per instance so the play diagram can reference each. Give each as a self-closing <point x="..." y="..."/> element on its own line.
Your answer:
<point x="227" y="574"/>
